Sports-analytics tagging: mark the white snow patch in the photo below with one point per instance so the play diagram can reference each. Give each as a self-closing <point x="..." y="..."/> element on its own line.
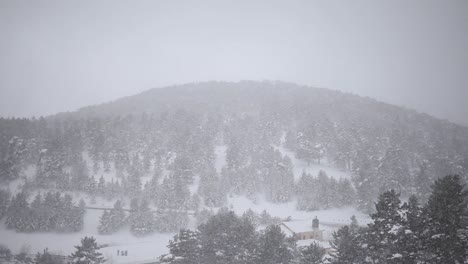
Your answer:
<point x="301" y="166"/>
<point x="194" y="186"/>
<point x="139" y="249"/>
<point x="220" y="161"/>
<point x="330" y="219"/>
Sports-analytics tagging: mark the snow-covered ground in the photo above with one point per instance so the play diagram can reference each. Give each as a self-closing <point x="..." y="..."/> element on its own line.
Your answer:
<point x="330" y="219"/>
<point x="220" y="161"/>
<point x="139" y="248"/>
<point x="151" y="247"/>
<point x="312" y="168"/>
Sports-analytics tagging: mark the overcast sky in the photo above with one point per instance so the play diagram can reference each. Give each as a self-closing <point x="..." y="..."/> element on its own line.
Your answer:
<point x="62" y="55"/>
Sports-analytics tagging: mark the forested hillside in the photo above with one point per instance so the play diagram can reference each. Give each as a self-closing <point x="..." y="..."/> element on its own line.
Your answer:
<point x="161" y="142"/>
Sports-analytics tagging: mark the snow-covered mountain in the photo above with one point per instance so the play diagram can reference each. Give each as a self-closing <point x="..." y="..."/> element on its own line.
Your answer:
<point x="382" y="145"/>
<point x="274" y="146"/>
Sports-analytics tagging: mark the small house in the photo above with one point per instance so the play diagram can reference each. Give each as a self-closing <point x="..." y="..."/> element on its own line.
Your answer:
<point x="303" y="230"/>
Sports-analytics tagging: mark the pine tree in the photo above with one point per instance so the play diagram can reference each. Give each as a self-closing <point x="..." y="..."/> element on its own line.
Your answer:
<point x="346" y="193"/>
<point x="10" y="162"/>
<point x="185" y="248"/>
<point x="36" y="213"/>
<point x="347" y="244"/>
<point x="211" y="190"/>
<point x="203" y="216"/>
<point x="101" y="186"/>
<point x="273" y="247"/>
<point x="142" y="221"/>
<point x="18" y="214"/>
<point x="23" y="258"/>
<point x="5" y="254"/>
<point x="4" y="202"/>
<point x="409" y="236"/>
<point x="47" y="258"/>
<point x="227" y="239"/>
<point x="117" y="217"/>
<point x="312" y="254"/>
<point x="252" y="217"/>
<point x="383" y="231"/>
<point x="87" y="253"/>
<point x="445" y="234"/>
<point x="104" y="224"/>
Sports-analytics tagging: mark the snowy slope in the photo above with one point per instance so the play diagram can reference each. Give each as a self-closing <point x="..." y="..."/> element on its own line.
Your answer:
<point x="150" y="247"/>
<point x="301" y="166"/>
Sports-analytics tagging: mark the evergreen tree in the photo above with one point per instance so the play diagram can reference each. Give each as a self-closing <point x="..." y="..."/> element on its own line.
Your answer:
<point x="383" y="231"/>
<point x="312" y="254"/>
<point x="104" y="224"/>
<point x="185" y="248"/>
<point x="445" y="233"/>
<point x="348" y="244"/>
<point x="18" y="214"/>
<point x="87" y="252"/>
<point x="273" y="247"/>
<point x="409" y="241"/>
<point x="203" y="216"/>
<point x="47" y="258"/>
<point x="142" y="221"/>
<point x="4" y="202"/>
<point x="117" y="217"/>
<point x="252" y="217"/>
<point x="113" y="220"/>
<point x="5" y="254"/>
<point x="10" y="162"/>
<point x="23" y="258"/>
<point x="211" y="190"/>
<point x="227" y="239"/>
<point x="101" y="187"/>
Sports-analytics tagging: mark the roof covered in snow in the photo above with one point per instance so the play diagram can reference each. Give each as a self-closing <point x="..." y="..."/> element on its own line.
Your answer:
<point x="297" y="226"/>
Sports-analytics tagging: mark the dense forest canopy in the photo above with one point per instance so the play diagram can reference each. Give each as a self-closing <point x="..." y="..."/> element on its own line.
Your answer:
<point x="176" y="130"/>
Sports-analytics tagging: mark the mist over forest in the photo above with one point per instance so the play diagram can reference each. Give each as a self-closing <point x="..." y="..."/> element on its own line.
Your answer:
<point x="242" y="132"/>
<point x="160" y="160"/>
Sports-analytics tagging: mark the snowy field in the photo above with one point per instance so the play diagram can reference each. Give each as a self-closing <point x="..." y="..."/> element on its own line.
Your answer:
<point x="141" y="249"/>
<point x="152" y="246"/>
<point x="330" y="219"/>
<point x="301" y="166"/>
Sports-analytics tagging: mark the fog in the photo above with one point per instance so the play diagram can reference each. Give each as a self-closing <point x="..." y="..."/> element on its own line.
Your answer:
<point x="62" y="55"/>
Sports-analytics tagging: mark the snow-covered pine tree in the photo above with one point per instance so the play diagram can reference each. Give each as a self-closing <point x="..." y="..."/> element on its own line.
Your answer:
<point x="409" y="239"/>
<point x="348" y="244"/>
<point x="252" y="217"/>
<point x="312" y="254"/>
<point x="87" y="252"/>
<point x="10" y="162"/>
<point x="4" y="202"/>
<point x="47" y="258"/>
<point x="273" y="247"/>
<point x="445" y="233"/>
<point x="211" y="190"/>
<point x="18" y="212"/>
<point x="382" y="234"/>
<point x="185" y="248"/>
<point x="142" y="221"/>
<point x="117" y="217"/>
<point x="227" y="239"/>
<point x="104" y="223"/>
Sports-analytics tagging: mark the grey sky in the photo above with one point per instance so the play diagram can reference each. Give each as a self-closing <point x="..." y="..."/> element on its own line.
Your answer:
<point x="61" y="55"/>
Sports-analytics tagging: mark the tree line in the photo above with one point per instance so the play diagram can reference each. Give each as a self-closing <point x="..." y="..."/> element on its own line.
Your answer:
<point x="402" y="233"/>
<point x="141" y="219"/>
<point x="408" y="232"/>
<point x="52" y="212"/>
<point x="85" y="253"/>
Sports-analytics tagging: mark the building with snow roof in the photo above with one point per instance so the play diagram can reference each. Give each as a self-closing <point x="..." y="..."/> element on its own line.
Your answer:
<point x="303" y="229"/>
